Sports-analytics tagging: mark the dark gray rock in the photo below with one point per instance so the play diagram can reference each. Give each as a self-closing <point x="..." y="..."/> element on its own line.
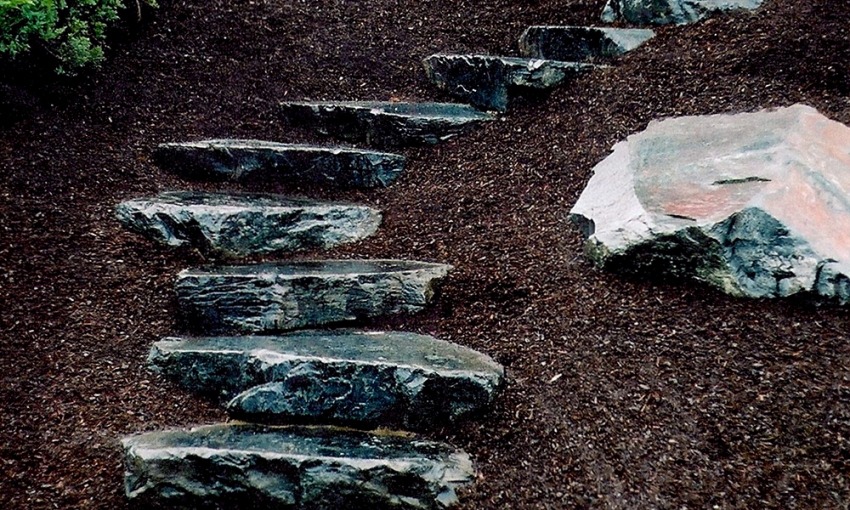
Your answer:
<point x="232" y="225"/>
<point x="256" y="160"/>
<point x="665" y="12"/>
<point x="487" y="82"/>
<point x="576" y="44"/>
<point x="368" y="379"/>
<point x="756" y="204"/>
<point x="273" y="297"/>
<point x="251" y="466"/>
<point x="385" y="123"/>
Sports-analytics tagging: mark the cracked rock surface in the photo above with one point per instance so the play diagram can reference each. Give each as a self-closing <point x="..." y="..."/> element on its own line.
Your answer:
<point x="241" y="466"/>
<point x="243" y="160"/>
<point x="487" y="81"/>
<point x="393" y="379"/>
<point x="665" y="12"/>
<point x="233" y="225"/>
<point x="385" y="123"/>
<point x="281" y="296"/>
<point x="580" y="43"/>
<point x="756" y="204"/>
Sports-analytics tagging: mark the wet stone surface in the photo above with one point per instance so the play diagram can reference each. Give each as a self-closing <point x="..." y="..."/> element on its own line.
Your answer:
<point x="578" y="44"/>
<point x="233" y="225"/>
<point x="231" y="466"/>
<point x="393" y="379"/>
<point x="385" y="123"/>
<point x="257" y="160"/>
<point x="665" y="12"/>
<point x="275" y="297"/>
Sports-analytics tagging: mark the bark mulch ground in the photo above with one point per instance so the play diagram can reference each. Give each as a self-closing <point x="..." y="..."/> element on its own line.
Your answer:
<point x="622" y="393"/>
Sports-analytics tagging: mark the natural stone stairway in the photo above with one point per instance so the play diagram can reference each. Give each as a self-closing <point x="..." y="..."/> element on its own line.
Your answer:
<point x="577" y="44"/>
<point x="366" y="379"/>
<point x="385" y="123"/>
<point x="241" y="160"/>
<point x="282" y="296"/>
<point x="487" y="81"/>
<point x="258" y="467"/>
<point x="232" y="225"/>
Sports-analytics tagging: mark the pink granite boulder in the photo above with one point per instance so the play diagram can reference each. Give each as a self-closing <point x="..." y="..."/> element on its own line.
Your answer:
<point x="757" y="204"/>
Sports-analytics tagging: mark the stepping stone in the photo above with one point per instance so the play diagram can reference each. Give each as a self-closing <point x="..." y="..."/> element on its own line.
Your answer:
<point x="242" y="160"/>
<point x="281" y="296"/>
<point x="385" y="123"/>
<point x="233" y="225"/>
<point x="252" y="466"/>
<point x="347" y="377"/>
<point x="486" y="82"/>
<point x="580" y="43"/>
<point x="664" y="12"/>
<point x="756" y="204"/>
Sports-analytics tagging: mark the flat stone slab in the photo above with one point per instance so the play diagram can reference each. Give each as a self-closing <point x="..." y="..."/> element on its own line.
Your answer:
<point x="385" y="123"/>
<point x="665" y="12"/>
<point x="757" y="204"/>
<point x="576" y="44"/>
<point x="281" y="296"/>
<point x="348" y="377"/>
<point x="233" y="225"/>
<point x="487" y="82"/>
<point x="257" y="160"/>
<point x="252" y="466"/>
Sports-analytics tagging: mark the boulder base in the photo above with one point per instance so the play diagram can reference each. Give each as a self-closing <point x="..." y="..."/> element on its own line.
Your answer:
<point x="367" y="379"/>
<point x="757" y="204"/>
<point x="250" y="466"/>
<point x="274" y="297"/>
<point x="665" y="12"/>
<point x="233" y="225"/>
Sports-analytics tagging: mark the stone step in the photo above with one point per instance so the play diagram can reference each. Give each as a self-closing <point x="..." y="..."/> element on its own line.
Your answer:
<point x="385" y="123"/>
<point x="233" y="225"/>
<point x="281" y="296"/>
<point x="580" y="43"/>
<point x="242" y="160"/>
<point x="253" y="466"/>
<point x="366" y="379"/>
<point x="487" y="81"/>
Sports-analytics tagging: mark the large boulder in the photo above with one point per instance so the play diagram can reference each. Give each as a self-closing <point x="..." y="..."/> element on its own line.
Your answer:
<point x="281" y="296"/>
<point x="665" y="12"/>
<point x="258" y="160"/>
<point x="385" y="123"/>
<point x="368" y="379"/>
<point x="488" y="81"/>
<point x="581" y="43"/>
<point x="238" y="224"/>
<point x="757" y="204"/>
<point x="264" y="468"/>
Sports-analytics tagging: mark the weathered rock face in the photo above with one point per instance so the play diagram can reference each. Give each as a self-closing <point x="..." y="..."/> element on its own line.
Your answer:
<point x="257" y="160"/>
<point x="232" y="225"/>
<point x="486" y="82"/>
<point x="368" y="379"/>
<point x="757" y="204"/>
<point x="385" y="123"/>
<point x="665" y="12"/>
<point x="273" y="297"/>
<point x="576" y="44"/>
<point x="250" y="466"/>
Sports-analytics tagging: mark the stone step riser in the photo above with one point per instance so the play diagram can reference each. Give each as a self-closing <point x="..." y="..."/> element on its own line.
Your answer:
<point x="256" y="160"/>
<point x="576" y="44"/>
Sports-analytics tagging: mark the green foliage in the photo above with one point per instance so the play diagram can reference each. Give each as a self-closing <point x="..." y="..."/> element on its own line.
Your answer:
<point x="71" y="31"/>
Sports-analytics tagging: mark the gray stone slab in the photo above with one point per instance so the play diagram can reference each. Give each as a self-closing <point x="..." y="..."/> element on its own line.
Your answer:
<point x="488" y="82"/>
<point x="580" y="43"/>
<point x="281" y="296"/>
<point x="368" y="379"/>
<point x="238" y="224"/>
<point x="385" y="123"/>
<point x="257" y="160"/>
<point x="251" y="466"/>
<point x="665" y="12"/>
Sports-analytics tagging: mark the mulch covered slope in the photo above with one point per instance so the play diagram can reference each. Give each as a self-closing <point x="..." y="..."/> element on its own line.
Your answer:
<point x="622" y="393"/>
